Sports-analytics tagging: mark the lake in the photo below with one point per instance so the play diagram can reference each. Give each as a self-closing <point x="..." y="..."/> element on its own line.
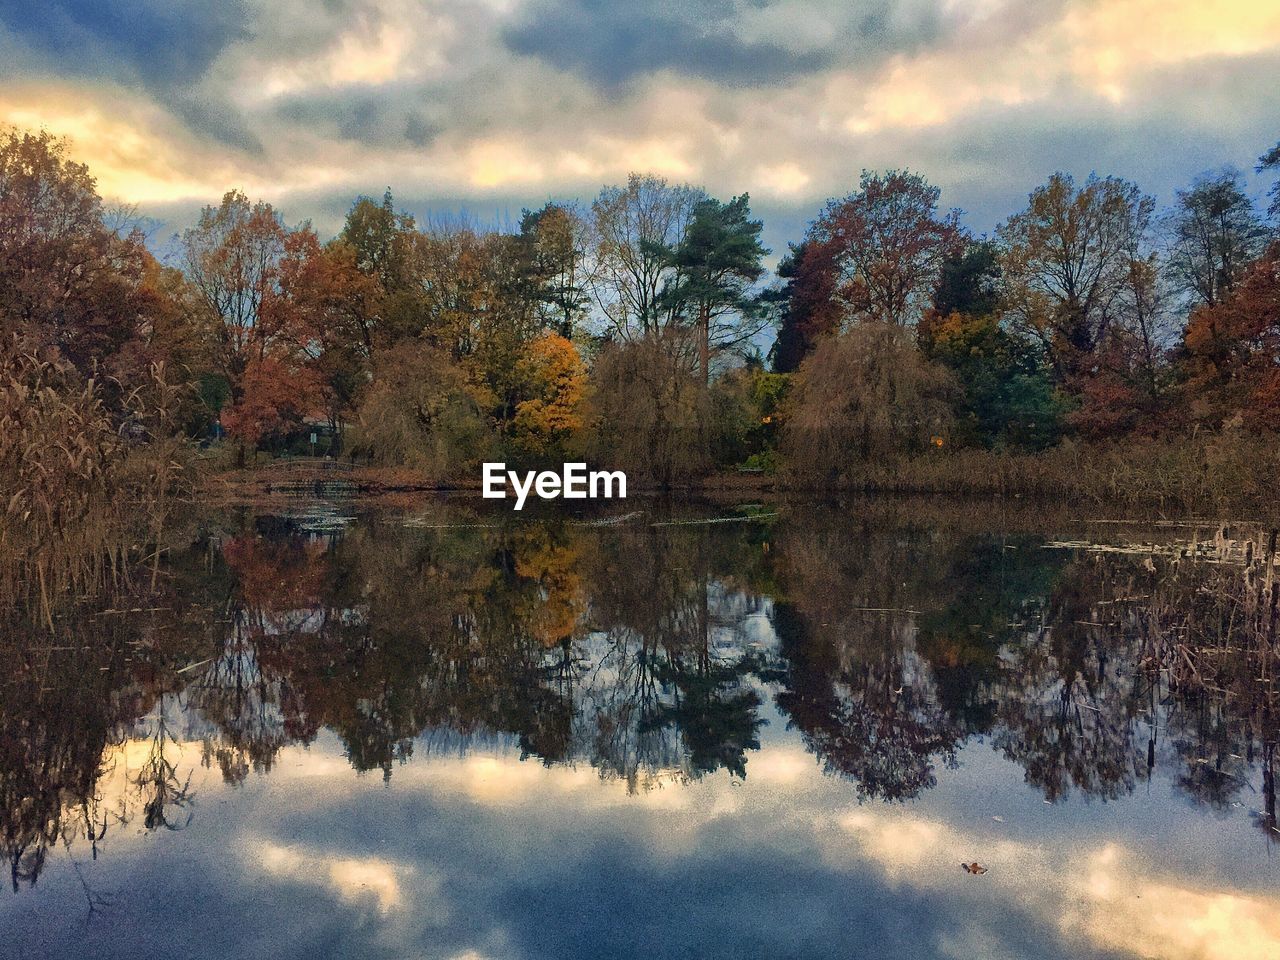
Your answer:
<point x="440" y="729"/>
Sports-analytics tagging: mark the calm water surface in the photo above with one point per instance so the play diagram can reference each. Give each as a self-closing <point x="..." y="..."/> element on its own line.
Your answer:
<point x="441" y="731"/>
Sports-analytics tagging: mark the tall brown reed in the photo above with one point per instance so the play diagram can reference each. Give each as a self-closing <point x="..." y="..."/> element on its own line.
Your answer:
<point x="88" y="486"/>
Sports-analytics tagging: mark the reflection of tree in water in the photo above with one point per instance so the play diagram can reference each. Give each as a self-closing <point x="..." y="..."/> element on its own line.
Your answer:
<point x="60" y="717"/>
<point x="165" y="792"/>
<point x="901" y="639"/>
<point x="897" y="641"/>
<point x="710" y="706"/>
<point x="246" y="693"/>
<point x="668" y="692"/>
<point x="70" y="700"/>
<point x="1215" y="750"/>
<point x="1068" y="703"/>
<point x="853" y="683"/>
<point x="387" y="633"/>
<point x="639" y="649"/>
<point x="868" y="717"/>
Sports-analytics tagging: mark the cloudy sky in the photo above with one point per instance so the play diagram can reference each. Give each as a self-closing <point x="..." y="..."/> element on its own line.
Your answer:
<point x="491" y="105"/>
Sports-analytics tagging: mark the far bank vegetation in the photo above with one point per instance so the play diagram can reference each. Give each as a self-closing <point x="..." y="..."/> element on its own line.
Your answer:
<point x="1095" y="346"/>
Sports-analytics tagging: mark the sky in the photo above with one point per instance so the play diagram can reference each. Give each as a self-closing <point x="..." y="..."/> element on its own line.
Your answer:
<point x="488" y="106"/>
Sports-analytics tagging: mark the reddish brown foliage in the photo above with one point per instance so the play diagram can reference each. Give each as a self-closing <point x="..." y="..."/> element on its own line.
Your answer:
<point x="276" y="397"/>
<point x="1233" y="350"/>
<point x="888" y="243"/>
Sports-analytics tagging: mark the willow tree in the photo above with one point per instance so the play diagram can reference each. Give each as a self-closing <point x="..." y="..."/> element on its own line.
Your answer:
<point x="866" y="397"/>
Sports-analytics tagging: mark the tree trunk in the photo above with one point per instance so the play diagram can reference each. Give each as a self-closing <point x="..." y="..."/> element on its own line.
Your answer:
<point x="704" y="342"/>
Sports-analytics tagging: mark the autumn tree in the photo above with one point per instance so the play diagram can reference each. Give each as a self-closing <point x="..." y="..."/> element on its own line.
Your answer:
<point x="633" y="227"/>
<point x="1005" y="399"/>
<point x="67" y="280"/>
<point x="968" y="284"/>
<point x="320" y="308"/>
<point x="1123" y="389"/>
<point x="1137" y="351"/>
<point x="715" y="265"/>
<point x="276" y="396"/>
<point x="747" y="405"/>
<point x="175" y="328"/>
<point x="377" y="233"/>
<point x="552" y="263"/>
<point x="888" y="243"/>
<point x="555" y="382"/>
<point x="232" y="256"/>
<point x="381" y="243"/>
<point x="467" y="294"/>
<point x="419" y="411"/>
<point x="1233" y="350"/>
<point x="1067" y="263"/>
<point x="805" y="303"/>
<point x="1214" y="233"/>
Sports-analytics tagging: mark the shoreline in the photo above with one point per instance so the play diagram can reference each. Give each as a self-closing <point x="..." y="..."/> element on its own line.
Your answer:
<point x="286" y="480"/>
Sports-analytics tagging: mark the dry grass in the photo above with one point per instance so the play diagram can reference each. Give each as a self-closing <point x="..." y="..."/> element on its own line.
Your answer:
<point x="1209" y="628"/>
<point x="1232" y="471"/>
<point x="88" y="488"/>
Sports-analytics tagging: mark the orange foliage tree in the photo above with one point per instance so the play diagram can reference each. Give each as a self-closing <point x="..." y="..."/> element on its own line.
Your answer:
<point x="556" y="382"/>
<point x="276" y="396"/>
<point x="1233" y="350"/>
<point x="319" y="310"/>
<point x="68" y="280"/>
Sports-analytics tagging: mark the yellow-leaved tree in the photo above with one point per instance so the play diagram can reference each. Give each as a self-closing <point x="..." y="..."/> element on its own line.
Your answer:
<point x="554" y="380"/>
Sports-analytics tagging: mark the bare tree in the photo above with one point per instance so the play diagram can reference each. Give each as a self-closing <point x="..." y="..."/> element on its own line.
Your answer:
<point x="633" y="227"/>
<point x="1213" y="233"/>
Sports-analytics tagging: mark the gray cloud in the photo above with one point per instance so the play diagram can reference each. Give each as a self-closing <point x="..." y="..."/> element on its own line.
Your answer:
<point x="158" y="42"/>
<point x="1177" y="124"/>
<point x="611" y="44"/>
<point x="375" y="116"/>
<point x="579" y="107"/>
<point x="213" y="120"/>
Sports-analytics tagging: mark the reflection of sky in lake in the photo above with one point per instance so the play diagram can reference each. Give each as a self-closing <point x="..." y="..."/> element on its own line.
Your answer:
<point x="486" y="855"/>
<point x="470" y="851"/>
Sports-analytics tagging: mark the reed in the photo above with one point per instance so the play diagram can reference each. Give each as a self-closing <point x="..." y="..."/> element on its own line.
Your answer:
<point x="1223" y="473"/>
<point x="90" y="475"/>
<point x="1210" y="627"/>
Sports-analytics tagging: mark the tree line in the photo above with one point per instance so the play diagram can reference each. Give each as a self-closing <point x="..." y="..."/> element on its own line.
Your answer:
<point x="631" y="329"/>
